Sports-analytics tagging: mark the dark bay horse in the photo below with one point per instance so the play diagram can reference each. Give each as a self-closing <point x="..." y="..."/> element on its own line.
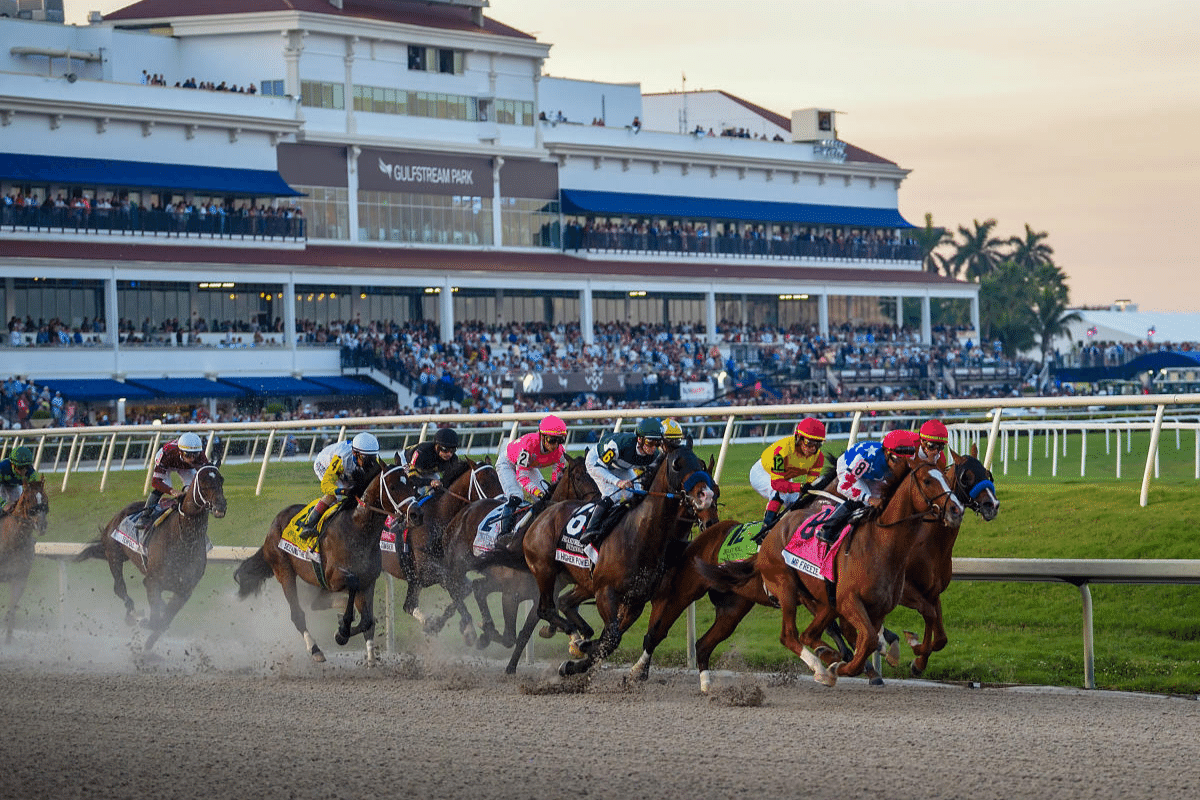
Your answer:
<point x="631" y="561"/>
<point x="17" y="529"/>
<point x="504" y="571"/>
<point x="349" y="558"/>
<point x="421" y="565"/>
<point x="930" y="562"/>
<point x="176" y="551"/>
<point x="870" y="567"/>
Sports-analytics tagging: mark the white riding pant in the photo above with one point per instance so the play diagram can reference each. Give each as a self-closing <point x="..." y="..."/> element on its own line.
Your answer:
<point x="760" y="479"/>
<point x="509" y="480"/>
<point x="607" y="479"/>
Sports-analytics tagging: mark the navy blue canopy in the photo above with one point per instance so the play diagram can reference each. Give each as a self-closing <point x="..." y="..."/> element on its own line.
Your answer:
<point x="617" y="204"/>
<point x="87" y="390"/>
<point x="26" y="168"/>
<point x="1130" y="369"/>
<point x="188" y="387"/>
<point x="348" y="386"/>
<point x="270" y="386"/>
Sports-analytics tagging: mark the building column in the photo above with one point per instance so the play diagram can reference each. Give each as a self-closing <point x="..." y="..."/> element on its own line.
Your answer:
<point x="823" y="314"/>
<point x="926" y="327"/>
<point x="587" y="320"/>
<point x="292" y="48"/>
<point x="447" y="309"/>
<point x="352" y="154"/>
<point x="975" y="319"/>
<point x="289" y="317"/>
<point x="348" y="85"/>
<point x="112" y="311"/>
<point x="899" y="311"/>
<point x="710" y="315"/>
<point x="497" y="230"/>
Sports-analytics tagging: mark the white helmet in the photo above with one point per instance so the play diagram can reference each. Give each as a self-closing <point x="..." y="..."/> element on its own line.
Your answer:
<point x="365" y="443"/>
<point x="190" y="443"/>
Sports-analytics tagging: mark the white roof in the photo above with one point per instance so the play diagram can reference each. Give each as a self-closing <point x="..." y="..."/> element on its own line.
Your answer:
<point x="1133" y="326"/>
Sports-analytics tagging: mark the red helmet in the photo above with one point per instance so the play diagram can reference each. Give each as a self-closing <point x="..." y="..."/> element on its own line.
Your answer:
<point x="811" y="428"/>
<point x="934" y="431"/>
<point x="901" y="442"/>
<point x="552" y="426"/>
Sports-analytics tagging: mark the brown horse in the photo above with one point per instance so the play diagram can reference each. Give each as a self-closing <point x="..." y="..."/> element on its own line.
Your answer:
<point x="17" y="529"/>
<point x="631" y="561"/>
<point x="419" y="561"/>
<point x="349" y="559"/>
<point x="930" y="563"/>
<point x="176" y="550"/>
<point x="504" y="571"/>
<point x="870" y="568"/>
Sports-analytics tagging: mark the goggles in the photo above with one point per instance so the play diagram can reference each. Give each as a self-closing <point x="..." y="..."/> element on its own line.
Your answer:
<point x="554" y="441"/>
<point x="929" y="445"/>
<point x="444" y="449"/>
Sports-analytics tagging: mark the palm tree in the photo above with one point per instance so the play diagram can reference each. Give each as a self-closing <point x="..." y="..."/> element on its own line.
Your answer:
<point x="1051" y="315"/>
<point x="1004" y="308"/>
<point x="1032" y="251"/>
<point x="979" y="253"/>
<point x="930" y="239"/>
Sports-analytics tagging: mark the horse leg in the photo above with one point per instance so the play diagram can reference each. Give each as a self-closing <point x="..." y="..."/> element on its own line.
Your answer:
<point x="481" y="588"/>
<point x="731" y="610"/>
<point x="664" y="610"/>
<point x="522" y="640"/>
<point x="866" y="636"/>
<point x="935" y="635"/>
<point x="287" y="579"/>
<point x="581" y="634"/>
<point x="172" y="608"/>
<point x="116" y="564"/>
<point x="791" y="639"/>
<point x="345" y="622"/>
<point x="16" y="587"/>
<point x="610" y="636"/>
<point x="364" y="600"/>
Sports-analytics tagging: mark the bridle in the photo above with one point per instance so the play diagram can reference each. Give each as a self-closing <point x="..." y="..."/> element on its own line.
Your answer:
<point x="935" y="512"/>
<point x="197" y="494"/>
<point x="385" y="490"/>
<point x="475" y="487"/>
<point x="32" y="514"/>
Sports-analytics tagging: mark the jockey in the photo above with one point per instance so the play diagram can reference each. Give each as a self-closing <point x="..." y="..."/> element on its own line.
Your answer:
<point x="425" y="463"/>
<point x="933" y="447"/>
<point x="672" y="434"/>
<point x="183" y="457"/>
<point x="15" y="471"/>
<point x="788" y="467"/>
<point x="519" y="463"/>
<point x="865" y="475"/>
<point x="342" y="467"/>
<point x="615" y="462"/>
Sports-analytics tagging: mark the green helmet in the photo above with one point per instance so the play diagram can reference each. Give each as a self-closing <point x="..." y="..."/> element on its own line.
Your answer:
<point x="650" y="428"/>
<point x="22" y="457"/>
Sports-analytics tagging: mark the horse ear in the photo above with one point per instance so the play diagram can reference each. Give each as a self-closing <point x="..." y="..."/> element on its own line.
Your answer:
<point x="974" y="449"/>
<point x="396" y="459"/>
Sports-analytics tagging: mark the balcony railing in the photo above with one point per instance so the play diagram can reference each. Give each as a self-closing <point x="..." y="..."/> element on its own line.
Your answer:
<point x="152" y="222"/>
<point x="693" y="244"/>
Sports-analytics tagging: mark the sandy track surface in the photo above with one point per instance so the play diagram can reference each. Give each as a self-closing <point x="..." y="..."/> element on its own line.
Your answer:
<point x="198" y="724"/>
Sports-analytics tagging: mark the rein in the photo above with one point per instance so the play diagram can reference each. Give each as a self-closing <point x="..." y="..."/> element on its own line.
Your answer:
<point x="924" y="515"/>
<point x="197" y="496"/>
<point x="385" y="489"/>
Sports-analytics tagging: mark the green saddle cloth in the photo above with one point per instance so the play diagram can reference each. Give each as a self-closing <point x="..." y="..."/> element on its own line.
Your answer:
<point x="739" y="544"/>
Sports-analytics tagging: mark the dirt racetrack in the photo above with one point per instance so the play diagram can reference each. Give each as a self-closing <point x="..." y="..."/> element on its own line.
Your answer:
<point x="198" y="724"/>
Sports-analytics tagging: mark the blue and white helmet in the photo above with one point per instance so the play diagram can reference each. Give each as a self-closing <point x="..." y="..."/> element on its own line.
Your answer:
<point x="365" y="443"/>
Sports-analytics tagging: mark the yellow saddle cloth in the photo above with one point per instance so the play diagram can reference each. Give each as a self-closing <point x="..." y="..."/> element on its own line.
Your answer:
<point x="293" y="534"/>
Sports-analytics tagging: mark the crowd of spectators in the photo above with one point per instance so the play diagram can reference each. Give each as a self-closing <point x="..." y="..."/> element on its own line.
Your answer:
<point x="156" y="79"/>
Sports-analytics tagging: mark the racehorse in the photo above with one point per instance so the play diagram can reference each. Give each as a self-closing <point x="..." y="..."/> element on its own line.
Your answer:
<point x="930" y="563"/>
<point x="349" y="559"/>
<point x="870" y="567"/>
<point x="418" y="561"/>
<point x="631" y="560"/>
<point x="504" y="569"/>
<point x="17" y="528"/>
<point x="176" y="550"/>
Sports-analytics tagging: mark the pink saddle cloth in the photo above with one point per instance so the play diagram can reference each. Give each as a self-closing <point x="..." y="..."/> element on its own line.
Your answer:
<point x="810" y="555"/>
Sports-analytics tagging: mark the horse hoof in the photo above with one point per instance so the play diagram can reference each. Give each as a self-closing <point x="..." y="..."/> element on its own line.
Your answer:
<point x="341" y="638"/>
<point x="317" y="656"/>
<point x="469" y="637"/>
<point x="546" y="632"/>
<point x="892" y="656"/>
<point x="875" y="680"/>
<point x="911" y="638"/>
<point x="915" y="671"/>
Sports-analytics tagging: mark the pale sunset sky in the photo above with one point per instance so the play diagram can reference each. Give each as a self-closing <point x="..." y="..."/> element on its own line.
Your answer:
<point x="1079" y="117"/>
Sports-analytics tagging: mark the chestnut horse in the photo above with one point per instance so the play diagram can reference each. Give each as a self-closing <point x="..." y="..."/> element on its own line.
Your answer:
<point x="28" y="516"/>
<point x="504" y="571"/>
<point x="349" y="558"/>
<point x="870" y="567"/>
<point x="631" y="561"/>
<point x="930" y="563"/>
<point x="176" y="550"/>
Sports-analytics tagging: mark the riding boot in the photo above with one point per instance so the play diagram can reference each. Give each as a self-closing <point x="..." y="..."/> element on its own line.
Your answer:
<point x="591" y="533"/>
<point x="772" y="514"/>
<point x="509" y="518"/>
<point x="149" y="512"/>
<point x="308" y="528"/>
<point x="829" y="531"/>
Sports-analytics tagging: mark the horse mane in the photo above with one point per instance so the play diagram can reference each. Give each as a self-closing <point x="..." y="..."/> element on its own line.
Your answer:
<point x="456" y="470"/>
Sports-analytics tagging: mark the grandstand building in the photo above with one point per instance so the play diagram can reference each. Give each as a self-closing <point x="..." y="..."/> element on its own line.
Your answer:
<point x="273" y="163"/>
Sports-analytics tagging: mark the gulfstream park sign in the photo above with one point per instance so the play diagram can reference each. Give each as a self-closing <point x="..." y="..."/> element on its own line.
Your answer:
<point x="418" y="173"/>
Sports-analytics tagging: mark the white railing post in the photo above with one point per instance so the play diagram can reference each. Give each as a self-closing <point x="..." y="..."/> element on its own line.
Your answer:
<point x="70" y="458"/>
<point x="1152" y="455"/>
<point x="1118" y="452"/>
<point x="1082" y="452"/>
<point x="1054" y="459"/>
<point x="1030" y="454"/>
<point x="724" y="449"/>
<point x="262" y="472"/>
<point x="112" y="448"/>
<point x="150" y="460"/>
<point x="992" y="436"/>
<point x="855" y="423"/>
<point x="1089" y="639"/>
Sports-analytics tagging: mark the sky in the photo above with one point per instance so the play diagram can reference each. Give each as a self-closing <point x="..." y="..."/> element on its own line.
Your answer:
<point x="1078" y="117"/>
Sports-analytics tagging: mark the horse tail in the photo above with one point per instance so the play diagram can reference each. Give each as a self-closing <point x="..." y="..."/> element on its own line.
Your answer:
<point x="251" y="573"/>
<point x="92" y="550"/>
<point x="502" y="556"/>
<point x="729" y="576"/>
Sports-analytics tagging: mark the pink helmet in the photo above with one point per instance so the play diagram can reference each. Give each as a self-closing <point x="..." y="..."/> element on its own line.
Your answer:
<point x="901" y="442"/>
<point x="551" y="425"/>
<point x="934" y="431"/>
<point x="811" y="428"/>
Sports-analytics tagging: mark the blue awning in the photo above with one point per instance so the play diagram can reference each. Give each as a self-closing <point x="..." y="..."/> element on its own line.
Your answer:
<point x="618" y="204"/>
<point x="87" y="390"/>
<point x="188" y="387"/>
<point x="348" y="386"/>
<point x="1130" y="369"/>
<point x="24" y="168"/>
<point x="268" y="386"/>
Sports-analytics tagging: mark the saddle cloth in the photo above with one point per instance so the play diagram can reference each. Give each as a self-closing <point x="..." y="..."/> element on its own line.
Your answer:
<point x="739" y="543"/>
<point x="294" y="543"/>
<point x="127" y="532"/>
<point x="569" y="550"/>
<point x="489" y="527"/>
<point x="806" y="553"/>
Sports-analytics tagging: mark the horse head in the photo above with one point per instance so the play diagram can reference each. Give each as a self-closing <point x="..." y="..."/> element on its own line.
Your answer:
<point x="389" y="493"/>
<point x="207" y="492"/>
<point x="931" y="495"/>
<point x="686" y="473"/>
<point x="34" y="505"/>
<point x="575" y="483"/>
<point x="974" y="487"/>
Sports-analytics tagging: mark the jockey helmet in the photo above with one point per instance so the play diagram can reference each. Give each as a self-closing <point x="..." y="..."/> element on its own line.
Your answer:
<point x="446" y="438"/>
<point x="365" y="443"/>
<point x="903" y="443"/>
<point x="551" y="425"/>
<point x="810" y="428"/>
<point x="22" y="457"/>
<point x="649" y="428"/>
<point x="190" y="443"/>
<point x="672" y="432"/>
<point x="934" y="431"/>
